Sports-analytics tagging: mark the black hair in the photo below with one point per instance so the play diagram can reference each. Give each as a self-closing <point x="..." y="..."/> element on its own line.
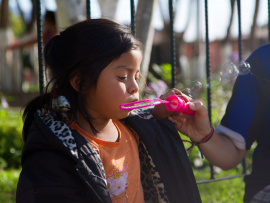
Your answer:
<point x="84" y="48"/>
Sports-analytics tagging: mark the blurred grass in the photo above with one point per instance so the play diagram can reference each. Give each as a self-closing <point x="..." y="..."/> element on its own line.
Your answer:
<point x="11" y="142"/>
<point x="8" y="185"/>
<point x="223" y="191"/>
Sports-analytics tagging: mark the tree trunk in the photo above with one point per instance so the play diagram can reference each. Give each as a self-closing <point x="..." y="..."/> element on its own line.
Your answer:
<point x="145" y="34"/>
<point x="108" y="8"/>
<point x="6" y="36"/>
<point x="4" y="14"/>
<point x="230" y="24"/>
<point x="30" y="25"/>
<point x="6" y="61"/>
<point x="252" y="39"/>
<point x="69" y="12"/>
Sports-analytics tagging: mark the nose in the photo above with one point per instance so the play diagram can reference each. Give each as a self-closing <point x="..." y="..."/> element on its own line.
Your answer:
<point x="133" y="87"/>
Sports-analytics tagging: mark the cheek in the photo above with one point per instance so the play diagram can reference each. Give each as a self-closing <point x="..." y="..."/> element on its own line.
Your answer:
<point x="112" y="92"/>
<point x="115" y="87"/>
<point x="116" y="97"/>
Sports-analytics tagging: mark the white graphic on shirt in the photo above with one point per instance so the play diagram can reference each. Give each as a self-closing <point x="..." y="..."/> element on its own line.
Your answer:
<point x="118" y="183"/>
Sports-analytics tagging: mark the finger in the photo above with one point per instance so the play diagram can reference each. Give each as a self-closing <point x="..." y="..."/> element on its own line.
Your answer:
<point x="195" y="106"/>
<point x="186" y="98"/>
<point x="177" y="92"/>
<point x="177" y="119"/>
<point x="182" y="95"/>
<point x="177" y="123"/>
<point x="164" y="96"/>
<point x="198" y="107"/>
<point x="172" y="120"/>
<point x="171" y="92"/>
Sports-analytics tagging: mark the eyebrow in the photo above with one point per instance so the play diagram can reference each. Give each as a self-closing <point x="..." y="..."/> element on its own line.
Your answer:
<point x="125" y="67"/>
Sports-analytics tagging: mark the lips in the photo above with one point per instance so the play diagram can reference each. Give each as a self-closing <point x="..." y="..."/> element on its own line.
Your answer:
<point x="129" y="104"/>
<point x="135" y="100"/>
<point x="132" y="102"/>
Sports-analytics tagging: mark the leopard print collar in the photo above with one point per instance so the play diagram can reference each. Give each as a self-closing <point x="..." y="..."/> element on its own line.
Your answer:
<point x="60" y="130"/>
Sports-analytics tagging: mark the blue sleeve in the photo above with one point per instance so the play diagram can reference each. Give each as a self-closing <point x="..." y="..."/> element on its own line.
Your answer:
<point x="248" y="107"/>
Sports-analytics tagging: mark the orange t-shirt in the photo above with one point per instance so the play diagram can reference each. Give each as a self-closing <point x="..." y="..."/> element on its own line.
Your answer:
<point x="121" y="163"/>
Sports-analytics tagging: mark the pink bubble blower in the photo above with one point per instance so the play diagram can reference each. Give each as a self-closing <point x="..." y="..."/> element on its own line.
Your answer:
<point x="172" y="103"/>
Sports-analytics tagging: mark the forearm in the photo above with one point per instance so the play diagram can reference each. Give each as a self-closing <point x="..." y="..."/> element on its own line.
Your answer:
<point x="219" y="150"/>
<point x="222" y="152"/>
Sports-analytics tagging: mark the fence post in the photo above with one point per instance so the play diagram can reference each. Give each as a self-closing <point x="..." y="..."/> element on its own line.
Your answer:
<point x="88" y="9"/>
<point x="40" y="47"/>
<point x="173" y="63"/>
<point x="209" y="106"/>
<point x="132" y="17"/>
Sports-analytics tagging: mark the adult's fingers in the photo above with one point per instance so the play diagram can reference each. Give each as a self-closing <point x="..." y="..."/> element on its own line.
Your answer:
<point x="198" y="107"/>
<point x="177" y="92"/>
<point x="171" y="92"/>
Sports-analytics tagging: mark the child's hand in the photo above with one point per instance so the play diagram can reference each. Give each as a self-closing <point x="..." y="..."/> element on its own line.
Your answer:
<point x="196" y="126"/>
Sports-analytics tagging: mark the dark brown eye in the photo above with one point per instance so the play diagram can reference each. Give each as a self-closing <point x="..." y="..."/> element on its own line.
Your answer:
<point x="123" y="78"/>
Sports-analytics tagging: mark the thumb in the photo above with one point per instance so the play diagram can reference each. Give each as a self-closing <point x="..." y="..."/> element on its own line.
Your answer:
<point x="195" y="106"/>
<point x="199" y="108"/>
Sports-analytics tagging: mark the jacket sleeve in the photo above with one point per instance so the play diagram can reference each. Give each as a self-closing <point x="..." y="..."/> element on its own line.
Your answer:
<point x="48" y="176"/>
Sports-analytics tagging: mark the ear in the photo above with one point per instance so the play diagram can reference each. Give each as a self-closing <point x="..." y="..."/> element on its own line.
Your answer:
<point x="75" y="82"/>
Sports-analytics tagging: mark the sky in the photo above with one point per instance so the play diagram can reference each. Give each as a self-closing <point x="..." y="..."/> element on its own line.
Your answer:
<point x="218" y="15"/>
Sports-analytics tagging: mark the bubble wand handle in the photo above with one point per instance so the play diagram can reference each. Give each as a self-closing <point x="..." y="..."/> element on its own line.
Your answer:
<point x="178" y="105"/>
<point x="172" y="103"/>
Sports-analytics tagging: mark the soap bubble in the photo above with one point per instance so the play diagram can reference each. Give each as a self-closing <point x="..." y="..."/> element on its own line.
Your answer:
<point x="193" y="89"/>
<point x="195" y="85"/>
<point x="244" y="68"/>
<point x="213" y="80"/>
<point x="229" y="70"/>
<point x="187" y="91"/>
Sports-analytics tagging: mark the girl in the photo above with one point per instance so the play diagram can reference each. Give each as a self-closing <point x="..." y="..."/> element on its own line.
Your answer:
<point x="80" y="146"/>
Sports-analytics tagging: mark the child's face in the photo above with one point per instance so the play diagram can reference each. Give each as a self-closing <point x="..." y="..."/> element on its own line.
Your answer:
<point x="117" y="84"/>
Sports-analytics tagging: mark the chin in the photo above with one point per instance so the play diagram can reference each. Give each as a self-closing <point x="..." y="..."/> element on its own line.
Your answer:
<point x="124" y="115"/>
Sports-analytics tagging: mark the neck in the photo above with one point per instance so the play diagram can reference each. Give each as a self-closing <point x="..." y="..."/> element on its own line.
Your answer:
<point x="105" y="127"/>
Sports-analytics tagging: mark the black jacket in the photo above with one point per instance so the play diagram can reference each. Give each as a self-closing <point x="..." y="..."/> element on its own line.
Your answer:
<point x="59" y="165"/>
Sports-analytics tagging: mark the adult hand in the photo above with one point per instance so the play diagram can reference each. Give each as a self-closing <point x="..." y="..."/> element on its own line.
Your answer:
<point x="195" y="126"/>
